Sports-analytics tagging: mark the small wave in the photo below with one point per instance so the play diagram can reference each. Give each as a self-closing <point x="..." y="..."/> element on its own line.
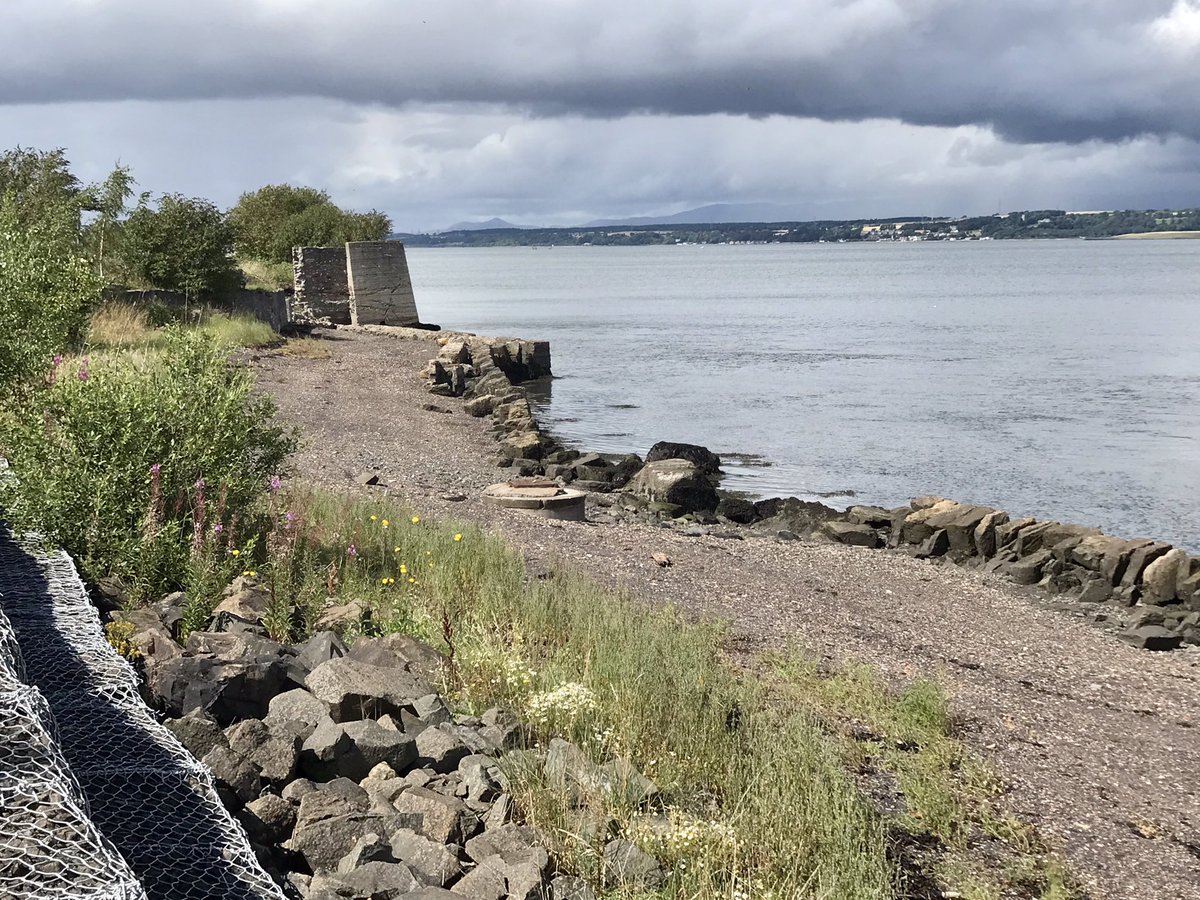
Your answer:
<point x="748" y="460"/>
<point x="623" y="406"/>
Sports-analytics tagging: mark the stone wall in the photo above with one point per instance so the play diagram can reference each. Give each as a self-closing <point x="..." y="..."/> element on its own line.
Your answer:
<point x="380" y="287"/>
<point x="322" y="293"/>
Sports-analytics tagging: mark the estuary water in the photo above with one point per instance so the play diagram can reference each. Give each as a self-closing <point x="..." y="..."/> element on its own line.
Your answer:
<point x="1058" y="379"/>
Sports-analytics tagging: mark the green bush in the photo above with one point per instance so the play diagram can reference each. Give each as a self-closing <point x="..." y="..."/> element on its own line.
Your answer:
<point x="268" y="222"/>
<point x="47" y="291"/>
<point x="139" y="466"/>
<point x="183" y="245"/>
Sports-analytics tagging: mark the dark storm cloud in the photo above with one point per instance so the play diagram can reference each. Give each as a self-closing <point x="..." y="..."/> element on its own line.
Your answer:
<point x="1036" y="71"/>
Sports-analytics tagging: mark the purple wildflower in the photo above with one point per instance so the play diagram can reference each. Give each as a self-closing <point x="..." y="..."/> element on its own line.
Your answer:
<point x="156" y="468"/>
<point x="218" y="528"/>
<point x="291" y="518"/>
<point x="58" y="359"/>
<point x="276" y="484"/>
<point x="352" y="551"/>
<point x="83" y="369"/>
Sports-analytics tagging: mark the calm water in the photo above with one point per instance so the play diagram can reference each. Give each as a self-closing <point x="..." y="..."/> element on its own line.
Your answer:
<point x="1057" y="379"/>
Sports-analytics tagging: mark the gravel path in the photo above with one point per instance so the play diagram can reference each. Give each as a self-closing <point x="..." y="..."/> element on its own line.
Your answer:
<point x="1098" y="740"/>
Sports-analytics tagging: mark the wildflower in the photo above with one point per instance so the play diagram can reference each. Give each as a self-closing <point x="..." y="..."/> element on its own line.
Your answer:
<point x="403" y="569"/>
<point x="457" y="538"/>
<point x="250" y="573"/>
<point x="83" y="369"/>
<point x="352" y="551"/>
<point x="235" y="552"/>
<point x="412" y="580"/>
<point x="58" y="360"/>
<point x="290" y="519"/>
<point x="396" y="550"/>
<point x="416" y="520"/>
<point x="385" y="523"/>
<point x="154" y="469"/>
<point x="276" y="484"/>
<point x="374" y="517"/>
<point x="218" y="528"/>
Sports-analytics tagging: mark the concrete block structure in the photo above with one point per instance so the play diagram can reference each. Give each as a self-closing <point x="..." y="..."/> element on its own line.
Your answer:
<point x="321" y="290"/>
<point x="380" y="287"/>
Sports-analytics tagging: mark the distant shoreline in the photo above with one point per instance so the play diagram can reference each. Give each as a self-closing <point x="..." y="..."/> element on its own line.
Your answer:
<point x="1158" y="236"/>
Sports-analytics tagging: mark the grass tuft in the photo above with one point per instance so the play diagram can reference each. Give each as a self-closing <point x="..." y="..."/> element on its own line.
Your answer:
<point x="263" y="275"/>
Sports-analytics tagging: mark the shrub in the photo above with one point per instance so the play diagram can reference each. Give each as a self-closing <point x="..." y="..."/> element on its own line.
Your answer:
<point x="46" y="293"/>
<point x="138" y="466"/>
<point x="268" y="222"/>
<point x="183" y="245"/>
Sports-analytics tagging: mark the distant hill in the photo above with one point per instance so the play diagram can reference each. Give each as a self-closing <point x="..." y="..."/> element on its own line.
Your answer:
<point x="483" y="226"/>
<point x="713" y="214"/>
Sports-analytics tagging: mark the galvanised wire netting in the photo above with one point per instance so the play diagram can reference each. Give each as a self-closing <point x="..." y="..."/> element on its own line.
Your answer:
<point x="97" y="798"/>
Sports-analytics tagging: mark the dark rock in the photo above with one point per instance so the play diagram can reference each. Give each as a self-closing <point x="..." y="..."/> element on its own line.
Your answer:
<point x="801" y="517"/>
<point x="482" y="883"/>
<point x="432" y="863"/>
<point x="936" y="544"/>
<point x="230" y="676"/>
<point x="368" y="479"/>
<point x="295" y="712"/>
<point x="440" y="749"/>
<point x="737" y="509"/>
<point x="1095" y="590"/>
<point x="367" y="849"/>
<point x="431" y="814"/>
<point x="374" y="880"/>
<point x="702" y="458"/>
<point x="321" y="647"/>
<point x="237" y="778"/>
<point x="353" y="749"/>
<point x="198" y="732"/>
<point x="324" y="842"/>
<point x="1139" y="559"/>
<point x="511" y="843"/>
<point x="1152" y="637"/>
<point x="356" y="690"/>
<point x="269" y="819"/>
<point x="625" y="864"/>
<point x="295" y="791"/>
<point x="275" y="755"/>
<point x="432" y="710"/>
<point x="1027" y="570"/>
<point x="850" y="533"/>
<point x="400" y="651"/>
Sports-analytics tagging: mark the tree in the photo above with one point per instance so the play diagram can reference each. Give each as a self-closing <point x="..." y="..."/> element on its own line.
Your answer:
<point x="47" y="290"/>
<point x="268" y="222"/>
<point x="41" y="186"/>
<point x="109" y="200"/>
<point x="184" y="245"/>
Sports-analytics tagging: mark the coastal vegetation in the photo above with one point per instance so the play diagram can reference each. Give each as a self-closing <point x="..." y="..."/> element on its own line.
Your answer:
<point x="140" y="447"/>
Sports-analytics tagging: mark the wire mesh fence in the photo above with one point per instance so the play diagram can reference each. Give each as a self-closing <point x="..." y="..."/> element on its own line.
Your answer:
<point x="97" y="799"/>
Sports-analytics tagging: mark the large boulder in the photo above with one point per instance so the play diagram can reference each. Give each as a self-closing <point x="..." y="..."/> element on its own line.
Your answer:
<point x="230" y="676"/>
<point x="352" y="749"/>
<point x="374" y="880"/>
<point x="800" y="517"/>
<point x="677" y="482"/>
<point x="356" y="690"/>
<point x="1160" y="580"/>
<point x="436" y="816"/>
<point x="274" y="754"/>
<point x="434" y="864"/>
<point x="400" y="651"/>
<point x="701" y="457"/>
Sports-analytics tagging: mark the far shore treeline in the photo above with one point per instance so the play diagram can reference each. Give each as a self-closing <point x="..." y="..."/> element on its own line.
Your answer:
<point x="1026" y="224"/>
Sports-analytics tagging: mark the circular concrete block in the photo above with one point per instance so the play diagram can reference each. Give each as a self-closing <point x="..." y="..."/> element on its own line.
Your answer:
<point x="541" y="498"/>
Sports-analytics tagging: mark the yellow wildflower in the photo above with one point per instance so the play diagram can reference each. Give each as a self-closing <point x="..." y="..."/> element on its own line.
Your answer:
<point x="236" y="552"/>
<point x="412" y="580"/>
<point x="396" y="550"/>
<point x="385" y="523"/>
<point x="373" y="517"/>
<point x="403" y="569"/>
<point x="457" y="537"/>
<point x="416" y="520"/>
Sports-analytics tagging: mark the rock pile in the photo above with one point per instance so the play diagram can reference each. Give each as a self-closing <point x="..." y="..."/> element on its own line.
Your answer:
<point x="353" y="777"/>
<point x="1157" y="586"/>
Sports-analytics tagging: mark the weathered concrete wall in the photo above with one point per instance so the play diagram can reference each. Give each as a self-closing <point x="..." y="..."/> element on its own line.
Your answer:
<point x="380" y="288"/>
<point x="322" y="294"/>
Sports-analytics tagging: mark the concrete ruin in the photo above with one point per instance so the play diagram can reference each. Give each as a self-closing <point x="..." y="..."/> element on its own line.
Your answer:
<point x="362" y="283"/>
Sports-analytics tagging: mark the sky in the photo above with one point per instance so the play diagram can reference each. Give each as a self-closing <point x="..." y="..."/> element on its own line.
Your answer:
<point x="556" y="112"/>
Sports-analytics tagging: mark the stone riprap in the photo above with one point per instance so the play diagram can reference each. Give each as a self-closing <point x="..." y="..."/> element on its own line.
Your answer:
<point x="355" y="779"/>
<point x="1148" y="588"/>
<point x="321" y="294"/>
<point x="381" y="290"/>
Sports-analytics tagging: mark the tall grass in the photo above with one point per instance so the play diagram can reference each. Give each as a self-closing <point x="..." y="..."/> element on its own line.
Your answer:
<point x="264" y="275"/>
<point x="120" y="325"/>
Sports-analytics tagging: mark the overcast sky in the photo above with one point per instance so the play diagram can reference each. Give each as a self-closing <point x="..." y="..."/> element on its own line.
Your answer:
<point x="556" y="112"/>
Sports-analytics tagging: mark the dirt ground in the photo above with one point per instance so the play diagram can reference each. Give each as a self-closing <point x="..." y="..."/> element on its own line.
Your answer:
<point x="1098" y="741"/>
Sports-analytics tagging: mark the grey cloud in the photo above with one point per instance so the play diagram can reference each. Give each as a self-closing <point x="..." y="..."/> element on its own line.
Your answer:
<point x="1071" y="70"/>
